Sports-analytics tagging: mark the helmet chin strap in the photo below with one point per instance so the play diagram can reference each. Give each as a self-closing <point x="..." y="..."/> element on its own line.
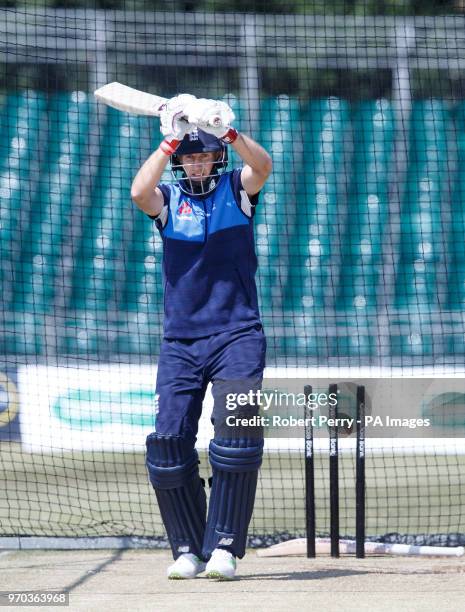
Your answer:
<point x="202" y="187"/>
<point x="205" y="186"/>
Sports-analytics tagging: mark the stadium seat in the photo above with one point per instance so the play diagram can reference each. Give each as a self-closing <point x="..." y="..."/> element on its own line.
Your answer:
<point x="37" y="271"/>
<point x="100" y="259"/>
<point x="456" y="242"/>
<point x="143" y="288"/>
<point x="280" y="135"/>
<point x="422" y="239"/>
<point x="455" y="343"/>
<point x="359" y="285"/>
<point x="368" y="203"/>
<point x="86" y="334"/>
<point x="456" y="283"/>
<point x="22" y="333"/>
<point x="296" y="346"/>
<point x="416" y="286"/>
<point x="139" y="333"/>
<point x="21" y="142"/>
<point x="355" y="344"/>
<point x="314" y="235"/>
<point x="415" y="344"/>
<point x="299" y="337"/>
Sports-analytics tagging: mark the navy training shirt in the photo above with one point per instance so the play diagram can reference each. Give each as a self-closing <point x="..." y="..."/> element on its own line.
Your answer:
<point x="209" y="260"/>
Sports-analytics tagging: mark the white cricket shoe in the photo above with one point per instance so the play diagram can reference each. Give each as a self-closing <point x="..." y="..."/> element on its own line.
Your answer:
<point x="222" y="565"/>
<point x="185" y="566"/>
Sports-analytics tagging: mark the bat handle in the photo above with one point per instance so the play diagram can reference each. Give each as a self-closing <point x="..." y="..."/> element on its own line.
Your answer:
<point x="215" y="121"/>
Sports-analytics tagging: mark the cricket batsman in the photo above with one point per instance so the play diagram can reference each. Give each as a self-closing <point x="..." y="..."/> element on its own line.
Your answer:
<point x="212" y="330"/>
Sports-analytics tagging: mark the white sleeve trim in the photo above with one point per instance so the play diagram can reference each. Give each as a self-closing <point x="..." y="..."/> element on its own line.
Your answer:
<point x="163" y="216"/>
<point x="246" y="205"/>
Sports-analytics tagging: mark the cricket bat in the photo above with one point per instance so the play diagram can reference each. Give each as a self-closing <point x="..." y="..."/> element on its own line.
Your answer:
<point x="131" y="100"/>
<point x="137" y="102"/>
<point x="323" y="546"/>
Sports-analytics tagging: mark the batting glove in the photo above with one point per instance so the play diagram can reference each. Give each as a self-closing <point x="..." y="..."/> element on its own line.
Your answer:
<point x="173" y="122"/>
<point x="214" y="117"/>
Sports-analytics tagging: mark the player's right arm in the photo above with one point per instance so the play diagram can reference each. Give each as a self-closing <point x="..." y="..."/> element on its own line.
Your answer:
<point x="145" y="191"/>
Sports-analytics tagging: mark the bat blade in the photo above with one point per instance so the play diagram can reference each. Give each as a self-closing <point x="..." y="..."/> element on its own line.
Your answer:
<point x="138" y="102"/>
<point x="323" y="546"/>
<point x="285" y="549"/>
<point x="131" y="100"/>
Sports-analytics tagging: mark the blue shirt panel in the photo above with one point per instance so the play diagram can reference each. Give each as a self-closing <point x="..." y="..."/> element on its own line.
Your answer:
<point x="192" y="218"/>
<point x="209" y="261"/>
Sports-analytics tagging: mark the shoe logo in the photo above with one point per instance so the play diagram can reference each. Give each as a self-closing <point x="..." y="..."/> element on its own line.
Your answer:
<point x="226" y="541"/>
<point x="183" y="549"/>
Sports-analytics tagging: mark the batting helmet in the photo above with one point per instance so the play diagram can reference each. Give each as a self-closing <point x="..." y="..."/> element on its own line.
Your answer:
<point x="199" y="141"/>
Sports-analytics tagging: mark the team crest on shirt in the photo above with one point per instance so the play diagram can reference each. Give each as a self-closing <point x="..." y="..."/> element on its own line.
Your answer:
<point x="184" y="211"/>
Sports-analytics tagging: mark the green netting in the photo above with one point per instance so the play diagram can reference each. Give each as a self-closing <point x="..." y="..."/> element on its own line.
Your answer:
<point x="359" y="234"/>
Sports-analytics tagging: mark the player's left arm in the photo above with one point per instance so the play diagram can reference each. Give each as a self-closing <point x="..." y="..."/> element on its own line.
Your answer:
<point x="258" y="163"/>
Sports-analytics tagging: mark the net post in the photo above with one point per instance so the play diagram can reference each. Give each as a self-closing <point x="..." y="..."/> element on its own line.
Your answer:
<point x="333" y="474"/>
<point x="360" y="476"/>
<point x="309" y="477"/>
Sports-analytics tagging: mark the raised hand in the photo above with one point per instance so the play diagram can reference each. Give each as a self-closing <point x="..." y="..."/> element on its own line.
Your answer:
<point x="174" y="124"/>
<point x="211" y="116"/>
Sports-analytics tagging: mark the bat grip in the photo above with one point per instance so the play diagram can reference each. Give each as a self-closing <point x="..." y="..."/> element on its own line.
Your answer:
<point x="215" y="121"/>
